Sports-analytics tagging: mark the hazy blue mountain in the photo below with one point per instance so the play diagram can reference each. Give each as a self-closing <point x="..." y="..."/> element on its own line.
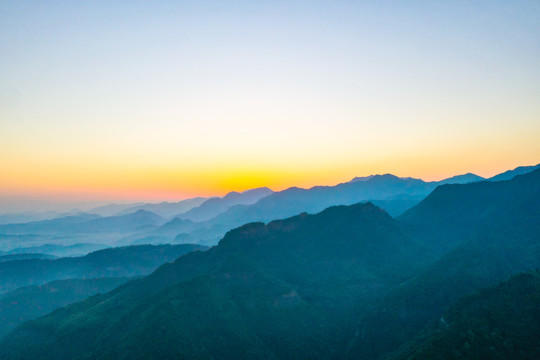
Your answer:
<point x="167" y="209"/>
<point x="87" y="223"/>
<point x="167" y="233"/>
<point x="112" y="209"/>
<point x="59" y="250"/>
<point x="284" y="290"/>
<point x="47" y="226"/>
<point x="501" y="322"/>
<point x="393" y="194"/>
<point x="24" y="217"/>
<point x="362" y="178"/>
<point x="490" y="230"/>
<point x="136" y="221"/>
<point x="520" y="170"/>
<point x="215" y="206"/>
<point x="295" y="200"/>
<point x="113" y="262"/>
<point x="31" y="302"/>
<point x="10" y="242"/>
<point x="461" y="179"/>
<point x="80" y="229"/>
<point x="25" y="256"/>
<point x="458" y="179"/>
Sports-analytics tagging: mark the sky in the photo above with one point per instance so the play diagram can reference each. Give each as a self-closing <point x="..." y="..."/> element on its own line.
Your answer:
<point x="163" y="100"/>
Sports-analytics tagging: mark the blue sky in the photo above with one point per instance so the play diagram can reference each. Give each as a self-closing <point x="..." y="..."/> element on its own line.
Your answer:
<point x="161" y="99"/>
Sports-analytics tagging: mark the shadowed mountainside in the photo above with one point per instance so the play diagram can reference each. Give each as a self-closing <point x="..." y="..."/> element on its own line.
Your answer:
<point x="30" y="302"/>
<point x="491" y="229"/>
<point x="501" y="322"/>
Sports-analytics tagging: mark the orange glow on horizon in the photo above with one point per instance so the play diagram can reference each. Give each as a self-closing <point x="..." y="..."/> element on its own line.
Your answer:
<point x="161" y="184"/>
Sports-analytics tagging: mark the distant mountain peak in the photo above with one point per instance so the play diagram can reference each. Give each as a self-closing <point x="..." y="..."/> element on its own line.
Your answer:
<point x="385" y="177"/>
<point x="262" y="189"/>
<point x="361" y="178"/>
<point x="461" y="179"/>
<point x="520" y="170"/>
<point x="231" y="195"/>
<point x="178" y="221"/>
<point x="144" y="213"/>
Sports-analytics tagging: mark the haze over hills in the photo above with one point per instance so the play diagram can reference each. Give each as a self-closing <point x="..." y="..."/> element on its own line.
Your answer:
<point x="393" y="194"/>
<point x="168" y="209"/>
<point x="79" y="229"/>
<point x="113" y="262"/>
<point x="24" y="256"/>
<point x="215" y="206"/>
<point x="347" y="282"/>
<point x="79" y="249"/>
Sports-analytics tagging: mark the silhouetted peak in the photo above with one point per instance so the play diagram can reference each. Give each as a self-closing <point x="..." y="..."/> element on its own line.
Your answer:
<point x="177" y="221"/>
<point x="231" y="195"/>
<point x="361" y="178"/>
<point x="385" y="178"/>
<point x="259" y="190"/>
<point x="462" y="179"/>
<point x="144" y="214"/>
<point x="520" y="170"/>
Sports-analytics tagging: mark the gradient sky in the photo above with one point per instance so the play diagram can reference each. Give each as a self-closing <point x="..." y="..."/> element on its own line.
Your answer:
<point x="154" y="100"/>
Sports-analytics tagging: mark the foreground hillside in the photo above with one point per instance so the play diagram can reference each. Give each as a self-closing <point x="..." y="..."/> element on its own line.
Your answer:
<point x="347" y="282"/>
<point x="501" y="322"/>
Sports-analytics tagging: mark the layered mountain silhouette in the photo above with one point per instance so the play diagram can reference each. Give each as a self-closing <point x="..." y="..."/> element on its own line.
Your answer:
<point x="88" y="223"/>
<point x="56" y="250"/>
<point x="167" y="209"/>
<point x="262" y="281"/>
<point x="214" y="217"/>
<point x="390" y="192"/>
<point x="520" y="170"/>
<point x="215" y="206"/>
<point x="79" y="229"/>
<point x="114" y="262"/>
<point x="164" y="209"/>
<point x="350" y="281"/>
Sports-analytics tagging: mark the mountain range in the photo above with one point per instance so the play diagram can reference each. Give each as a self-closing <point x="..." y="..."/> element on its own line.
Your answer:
<point x="348" y="282"/>
<point x="205" y="221"/>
